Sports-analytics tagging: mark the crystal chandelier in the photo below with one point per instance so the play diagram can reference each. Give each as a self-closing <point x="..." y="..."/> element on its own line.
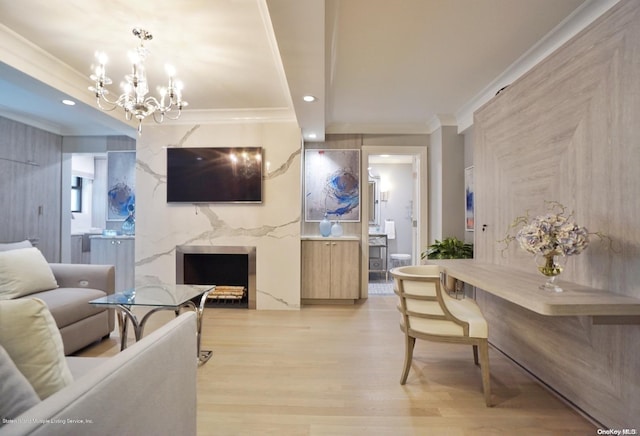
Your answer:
<point x="134" y="100"/>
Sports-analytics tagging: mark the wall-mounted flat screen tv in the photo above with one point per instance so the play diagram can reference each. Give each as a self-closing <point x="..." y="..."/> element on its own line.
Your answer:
<point x="214" y="175"/>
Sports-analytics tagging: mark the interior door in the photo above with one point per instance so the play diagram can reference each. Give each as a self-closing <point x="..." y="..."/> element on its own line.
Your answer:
<point x="416" y="249"/>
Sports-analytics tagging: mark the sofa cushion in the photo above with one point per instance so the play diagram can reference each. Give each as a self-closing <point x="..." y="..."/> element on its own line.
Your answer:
<point x="30" y="336"/>
<point x="16" y="394"/>
<point x="69" y="305"/>
<point x="24" y="271"/>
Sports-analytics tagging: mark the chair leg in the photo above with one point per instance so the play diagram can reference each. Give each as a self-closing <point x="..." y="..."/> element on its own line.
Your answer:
<point x="475" y="354"/>
<point x="410" y="342"/>
<point x="484" y="367"/>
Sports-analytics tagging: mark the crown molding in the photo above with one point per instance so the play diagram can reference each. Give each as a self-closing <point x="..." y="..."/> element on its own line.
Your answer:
<point x="26" y="57"/>
<point x="583" y="16"/>
<point x="232" y="116"/>
<point x="441" y="120"/>
<point x="378" y="128"/>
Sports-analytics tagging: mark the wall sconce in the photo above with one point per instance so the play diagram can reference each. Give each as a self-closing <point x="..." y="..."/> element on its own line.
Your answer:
<point x="384" y="195"/>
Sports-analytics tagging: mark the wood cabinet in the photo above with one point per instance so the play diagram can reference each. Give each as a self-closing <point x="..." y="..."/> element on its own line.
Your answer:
<point x="119" y="252"/>
<point x="330" y="270"/>
<point x="30" y="175"/>
<point x="76" y="249"/>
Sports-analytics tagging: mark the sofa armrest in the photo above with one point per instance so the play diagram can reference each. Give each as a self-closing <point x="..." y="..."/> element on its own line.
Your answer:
<point x="149" y="388"/>
<point x="70" y="275"/>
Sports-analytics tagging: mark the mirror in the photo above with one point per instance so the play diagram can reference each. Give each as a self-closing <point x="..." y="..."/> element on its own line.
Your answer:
<point x="374" y="203"/>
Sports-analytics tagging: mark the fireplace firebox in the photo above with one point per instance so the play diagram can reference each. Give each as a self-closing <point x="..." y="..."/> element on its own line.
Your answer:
<point x="231" y="268"/>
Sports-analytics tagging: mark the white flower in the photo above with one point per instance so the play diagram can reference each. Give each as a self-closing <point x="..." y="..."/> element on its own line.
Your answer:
<point x="553" y="234"/>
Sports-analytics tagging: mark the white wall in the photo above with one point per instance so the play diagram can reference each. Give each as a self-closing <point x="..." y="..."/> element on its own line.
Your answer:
<point x="399" y="206"/>
<point x="446" y="184"/>
<point x="273" y="227"/>
<point x="82" y="166"/>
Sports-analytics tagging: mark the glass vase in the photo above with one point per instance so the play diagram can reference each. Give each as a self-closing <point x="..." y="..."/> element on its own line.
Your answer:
<point x="336" y="230"/>
<point x="551" y="266"/>
<point x="325" y="226"/>
<point x="129" y="225"/>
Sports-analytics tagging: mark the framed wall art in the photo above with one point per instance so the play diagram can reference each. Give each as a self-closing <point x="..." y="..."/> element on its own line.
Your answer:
<point x="469" y="214"/>
<point x="121" y="184"/>
<point x="332" y="185"/>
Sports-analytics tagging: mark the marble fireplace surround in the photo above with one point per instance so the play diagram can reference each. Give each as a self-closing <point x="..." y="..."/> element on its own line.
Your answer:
<point x="250" y="252"/>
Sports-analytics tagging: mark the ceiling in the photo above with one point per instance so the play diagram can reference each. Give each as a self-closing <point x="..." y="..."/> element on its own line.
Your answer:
<point x="375" y="66"/>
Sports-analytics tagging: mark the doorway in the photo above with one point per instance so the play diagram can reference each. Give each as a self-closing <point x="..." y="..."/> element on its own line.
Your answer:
<point x="396" y="206"/>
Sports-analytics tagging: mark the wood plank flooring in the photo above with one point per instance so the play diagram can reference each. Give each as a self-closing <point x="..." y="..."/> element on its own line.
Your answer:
<point x="334" y="370"/>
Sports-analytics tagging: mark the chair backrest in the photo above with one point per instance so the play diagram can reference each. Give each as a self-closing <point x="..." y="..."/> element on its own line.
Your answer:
<point x="423" y="304"/>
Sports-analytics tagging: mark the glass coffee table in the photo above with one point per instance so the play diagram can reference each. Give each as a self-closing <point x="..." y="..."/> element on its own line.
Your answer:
<point x="157" y="297"/>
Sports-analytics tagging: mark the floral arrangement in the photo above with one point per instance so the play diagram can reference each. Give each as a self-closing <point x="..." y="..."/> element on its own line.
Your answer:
<point x="555" y="233"/>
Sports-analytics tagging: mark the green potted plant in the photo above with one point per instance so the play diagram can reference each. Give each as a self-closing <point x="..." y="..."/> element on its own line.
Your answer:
<point x="449" y="248"/>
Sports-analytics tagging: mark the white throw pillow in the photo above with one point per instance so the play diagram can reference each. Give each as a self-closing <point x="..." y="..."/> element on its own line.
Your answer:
<point x="16" y="393"/>
<point x="30" y="336"/>
<point x="23" y="272"/>
<point x="6" y="246"/>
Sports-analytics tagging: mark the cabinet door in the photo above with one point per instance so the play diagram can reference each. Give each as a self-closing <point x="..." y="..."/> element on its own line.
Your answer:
<point x="125" y="264"/>
<point x="76" y="248"/>
<point x="316" y="269"/>
<point x="120" y="254"/>
<point x="345" y="269"/>
<point x="103" y="252"/>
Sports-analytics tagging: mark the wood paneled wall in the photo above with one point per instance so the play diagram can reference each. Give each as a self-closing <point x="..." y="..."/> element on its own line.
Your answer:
<point x="30" y="186"/>
<point x="569" y="131"/>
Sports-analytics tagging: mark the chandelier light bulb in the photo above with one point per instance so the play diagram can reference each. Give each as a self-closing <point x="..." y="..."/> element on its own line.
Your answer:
<point x="102" y="57"/>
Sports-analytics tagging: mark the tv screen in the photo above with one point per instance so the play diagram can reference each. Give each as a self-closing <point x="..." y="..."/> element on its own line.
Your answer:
<point x="214" y="175"/>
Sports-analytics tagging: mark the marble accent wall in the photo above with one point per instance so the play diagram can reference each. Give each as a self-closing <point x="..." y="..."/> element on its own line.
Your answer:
<point x="273" y="227"/>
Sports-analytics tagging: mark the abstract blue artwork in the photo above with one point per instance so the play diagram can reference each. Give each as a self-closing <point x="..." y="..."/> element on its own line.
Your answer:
<point x="121" y="177"/>
<point x="332" y="185"/>
<point x="469" y="219"/>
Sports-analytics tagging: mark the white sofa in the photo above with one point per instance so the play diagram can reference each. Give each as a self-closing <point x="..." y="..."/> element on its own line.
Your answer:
<point x="149" y="388"/>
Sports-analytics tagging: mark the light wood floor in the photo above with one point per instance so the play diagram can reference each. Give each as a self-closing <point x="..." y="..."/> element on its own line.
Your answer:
<point x="334" y="370"/>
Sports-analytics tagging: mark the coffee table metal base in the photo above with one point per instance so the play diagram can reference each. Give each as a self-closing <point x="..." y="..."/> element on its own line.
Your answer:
<point x="126" y="314"/>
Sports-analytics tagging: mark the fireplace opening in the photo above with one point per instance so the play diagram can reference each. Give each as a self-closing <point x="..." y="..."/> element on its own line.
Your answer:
<point x="231" y="269"/>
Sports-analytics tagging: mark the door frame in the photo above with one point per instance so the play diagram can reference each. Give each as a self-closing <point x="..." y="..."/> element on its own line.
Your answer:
<point x="421" y="186"/>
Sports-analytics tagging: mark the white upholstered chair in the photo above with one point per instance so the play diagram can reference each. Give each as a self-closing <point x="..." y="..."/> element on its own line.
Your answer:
<point x="429" y="313"/>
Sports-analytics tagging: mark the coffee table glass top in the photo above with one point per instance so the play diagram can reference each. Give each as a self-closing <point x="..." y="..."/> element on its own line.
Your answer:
<point x="154" y="295"/>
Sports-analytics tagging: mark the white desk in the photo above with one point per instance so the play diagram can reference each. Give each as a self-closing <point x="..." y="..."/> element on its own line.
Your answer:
<point x="521" y="288"/>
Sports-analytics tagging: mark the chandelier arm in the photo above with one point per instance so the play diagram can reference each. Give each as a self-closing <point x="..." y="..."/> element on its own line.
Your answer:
<point x="173" y="118"/>
<point x="106" y="109"/>
<point x="104" y="98"/>
<point x="153" y="102"/>
<point x="155" y="117"/>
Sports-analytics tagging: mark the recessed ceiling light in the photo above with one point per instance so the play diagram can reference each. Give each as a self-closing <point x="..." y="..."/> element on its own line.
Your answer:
<point x="69" y="102"/>
<point x="309" y="98"/>
<point x="312" y="136"/>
